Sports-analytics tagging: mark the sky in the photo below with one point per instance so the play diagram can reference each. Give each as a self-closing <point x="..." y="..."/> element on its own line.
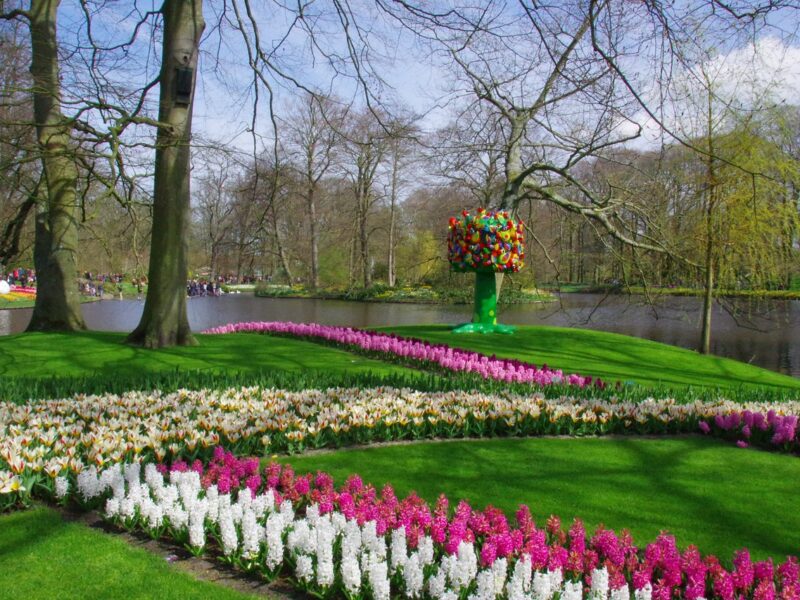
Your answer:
<point x="408" y="76"/>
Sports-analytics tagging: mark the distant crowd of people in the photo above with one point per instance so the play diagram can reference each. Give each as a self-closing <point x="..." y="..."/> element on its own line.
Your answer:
<point x="202" y="287"/>
<point x="21" y="276"/>
<point x="100" y="284"/>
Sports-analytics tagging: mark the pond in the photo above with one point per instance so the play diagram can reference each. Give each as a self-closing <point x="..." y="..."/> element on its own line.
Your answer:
<point x="765" y="333"/>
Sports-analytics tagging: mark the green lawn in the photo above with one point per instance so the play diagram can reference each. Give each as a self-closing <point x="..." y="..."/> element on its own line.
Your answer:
<point x="42" y="556"/>
<point x="706" y="492"/>
<point x="58" y="354"/>
<point x="611" y="356"/>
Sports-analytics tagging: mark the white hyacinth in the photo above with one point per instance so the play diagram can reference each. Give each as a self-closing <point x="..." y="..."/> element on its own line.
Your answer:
<point x="437" y="583"/>
<point x="399" y="549"/>
<point x="251" y="535"/>
<point x="378" y="577"/>
<point x="274" y="541"/>
<point x="413" y="576"/>
<point x="425" y="550"/>
<point x="324" y="550"/>
<point x="485" y="586"/>
<point x="645" y="593"/>
<point x="61" y="487"/>
<point x="500" y="572"/>
<point x="622" y="593"/>
<point x="573" y="590"/>
<point x="599" y="589"/>
<point x="351" y="573"/>
<point x="304" y="569"/>
<point x="541" y="586"/>
<point x="227" y="530"/>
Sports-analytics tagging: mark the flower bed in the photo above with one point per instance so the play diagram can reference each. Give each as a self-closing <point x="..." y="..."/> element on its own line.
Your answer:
<point x="356" y="542"/>
<point x="19" y="293"/>
<point x="421" y="352"/>
<point x="44" y="439"/>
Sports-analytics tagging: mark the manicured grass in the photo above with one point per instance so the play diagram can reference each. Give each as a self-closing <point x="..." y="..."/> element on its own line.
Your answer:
<point x="57" y="354"/>
<point x="42" y="556"/>
<point x="705" y="492"/>
<point x="612" y="356"/>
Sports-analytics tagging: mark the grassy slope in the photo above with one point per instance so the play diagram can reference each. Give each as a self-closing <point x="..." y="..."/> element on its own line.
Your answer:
<point x="705" y="492"/>
<point x="42" y="556"/>
<point x="47" y="355"/>
<point x="611" y="356"/>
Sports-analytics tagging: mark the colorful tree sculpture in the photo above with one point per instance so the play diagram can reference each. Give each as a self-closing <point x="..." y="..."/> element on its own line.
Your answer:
<point x="485" y="243"/>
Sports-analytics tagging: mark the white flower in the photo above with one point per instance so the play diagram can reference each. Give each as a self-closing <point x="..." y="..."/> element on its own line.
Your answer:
<point x="622" y="593"/>
<point x="599" y="589"/>
<point x="274" y="541"/>
<point x="378" y="577"/>
<point x="351" y="573"/>
<point x="413" y="576"/>
<point x="251" y="534"/>
<point x="485" y="586"/>
<point x="437" y="583"/>
<point x="304" y="568"/>
<point x="572" y="590"/>
<point x="61" y="487"/>
<point x="645" y="593"/>
<point x="500" y="572"/>
<point x="541" y="586"/>
<point x="425" y="550"/>
<point x="399" y="549"/>
<point x="227" y="530"/>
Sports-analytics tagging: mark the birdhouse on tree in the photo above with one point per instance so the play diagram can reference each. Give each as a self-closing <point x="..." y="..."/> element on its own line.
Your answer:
<point x="485" y="243"/>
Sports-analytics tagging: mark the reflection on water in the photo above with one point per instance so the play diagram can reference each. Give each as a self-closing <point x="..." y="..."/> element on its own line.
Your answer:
<point x="766" y="334"/>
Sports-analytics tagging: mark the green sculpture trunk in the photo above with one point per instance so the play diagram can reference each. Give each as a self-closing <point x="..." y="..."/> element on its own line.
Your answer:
<point x="484" y="315"/>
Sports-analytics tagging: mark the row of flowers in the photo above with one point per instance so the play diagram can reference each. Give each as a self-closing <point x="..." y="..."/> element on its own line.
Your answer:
<point x="44" y="439"/>
<point x="418" y="351"/>
<point x="357" y="542"/>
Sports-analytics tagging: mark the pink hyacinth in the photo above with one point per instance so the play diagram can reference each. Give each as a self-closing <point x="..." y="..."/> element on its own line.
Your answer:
<point x="446" y="357"/>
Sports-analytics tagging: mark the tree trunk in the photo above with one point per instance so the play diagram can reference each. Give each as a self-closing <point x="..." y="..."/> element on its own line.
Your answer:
<point x="708" y="296"/>
<point x="392" y="216"/>
<point x="312" y="215"/>
<point x="280" y="247"/>
<point x="164" y="321"/>
<point x="363" y="239"/>
<point x="57" y="305"/>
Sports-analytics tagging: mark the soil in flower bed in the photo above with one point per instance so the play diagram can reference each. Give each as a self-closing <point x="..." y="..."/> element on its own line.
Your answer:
<point x="705" y="492"/>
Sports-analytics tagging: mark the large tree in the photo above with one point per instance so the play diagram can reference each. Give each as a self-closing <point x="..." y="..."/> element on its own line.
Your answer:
<point x="164" y="321"/>
<point x="57" y="305"/>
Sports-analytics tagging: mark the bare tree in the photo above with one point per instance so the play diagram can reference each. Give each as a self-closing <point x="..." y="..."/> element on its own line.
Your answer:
<point x="367" y="145"/>
<point x="314" y="136"/>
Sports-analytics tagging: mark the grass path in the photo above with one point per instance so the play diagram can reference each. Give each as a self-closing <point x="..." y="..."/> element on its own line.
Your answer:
<point x="43" y="556"/>
<point x="706" y="492"/>
<point x="612" y="356"/>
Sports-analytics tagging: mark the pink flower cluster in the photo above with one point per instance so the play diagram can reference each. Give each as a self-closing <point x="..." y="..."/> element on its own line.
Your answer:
<point x="770" y="429"/>
<point x="446" y="357"/>
<point x="661" y="566"/>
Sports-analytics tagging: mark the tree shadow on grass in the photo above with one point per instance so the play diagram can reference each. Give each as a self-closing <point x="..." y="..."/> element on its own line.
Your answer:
<point x="645" y="484"/>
